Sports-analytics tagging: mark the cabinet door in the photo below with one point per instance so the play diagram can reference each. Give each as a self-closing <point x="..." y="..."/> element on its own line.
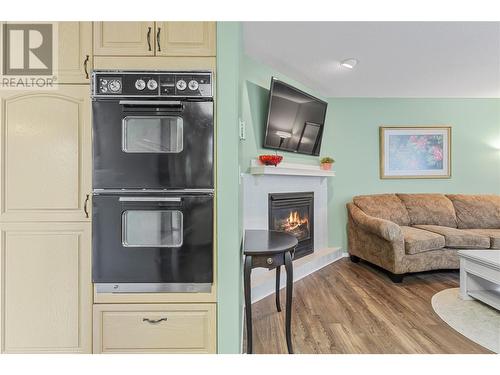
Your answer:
<point x="185" y="38"/>
<point x="75" y="52"/>
<point x="46" y="288"/>
<point x="45" y="157"/>
<point x="124" y="38"/>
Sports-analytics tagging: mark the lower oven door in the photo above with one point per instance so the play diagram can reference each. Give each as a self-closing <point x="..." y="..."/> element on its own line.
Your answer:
<point x="152" y="242"/>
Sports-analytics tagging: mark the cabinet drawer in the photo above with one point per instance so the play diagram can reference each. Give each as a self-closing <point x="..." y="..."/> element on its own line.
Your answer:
<point x="155" y="328"/>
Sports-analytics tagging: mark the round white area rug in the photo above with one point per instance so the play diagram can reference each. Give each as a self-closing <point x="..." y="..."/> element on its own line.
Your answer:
<point x="473" y="319"/>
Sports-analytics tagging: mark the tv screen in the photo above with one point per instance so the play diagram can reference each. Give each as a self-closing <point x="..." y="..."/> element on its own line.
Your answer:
<point x="295" y="120"/>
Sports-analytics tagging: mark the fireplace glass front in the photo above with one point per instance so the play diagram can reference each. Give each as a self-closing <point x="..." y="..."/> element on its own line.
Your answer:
<point x="294" y="213"/>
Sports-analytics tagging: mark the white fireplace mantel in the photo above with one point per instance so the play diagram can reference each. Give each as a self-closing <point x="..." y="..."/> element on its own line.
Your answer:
<point x="290" y="169"/>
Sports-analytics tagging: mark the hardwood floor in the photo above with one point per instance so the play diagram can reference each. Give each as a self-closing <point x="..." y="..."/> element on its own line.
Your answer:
<point x="355" y="308"/>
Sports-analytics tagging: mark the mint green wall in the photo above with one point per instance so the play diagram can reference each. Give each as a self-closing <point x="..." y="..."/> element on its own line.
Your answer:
<point x="351" y="136"/>
<point x="229" y="227"/>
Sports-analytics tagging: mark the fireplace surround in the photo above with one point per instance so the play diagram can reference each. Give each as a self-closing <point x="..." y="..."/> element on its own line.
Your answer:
<point x="294" y="213"/>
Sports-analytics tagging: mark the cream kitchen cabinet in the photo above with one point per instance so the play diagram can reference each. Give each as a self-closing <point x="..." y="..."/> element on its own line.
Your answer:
<point x="154" y="328"/>
<point x="124" y="38"/>
<point x="74" y="52"/>
<point x="185" y="38"/>
<point x="154" y="38"/>
<point x="46" y="288"/>
<point x="45" y="154"/>
<point x="73" y="48"/>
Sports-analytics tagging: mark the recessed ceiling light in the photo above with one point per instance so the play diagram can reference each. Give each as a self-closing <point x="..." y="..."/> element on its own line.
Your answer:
<point x="349" y="63"/>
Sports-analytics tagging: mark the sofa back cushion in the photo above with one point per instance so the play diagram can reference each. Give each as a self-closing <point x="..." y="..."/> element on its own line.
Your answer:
<point x="429" y="209"/>
<point x="476" y="211"/>
<point x="383" y="206"/>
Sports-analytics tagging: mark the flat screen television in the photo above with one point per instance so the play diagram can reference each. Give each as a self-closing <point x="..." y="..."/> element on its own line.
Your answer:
<point x="295" y="120"/>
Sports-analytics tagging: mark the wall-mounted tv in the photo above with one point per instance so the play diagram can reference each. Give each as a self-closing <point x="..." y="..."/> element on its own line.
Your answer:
<point x="295" y="120"/>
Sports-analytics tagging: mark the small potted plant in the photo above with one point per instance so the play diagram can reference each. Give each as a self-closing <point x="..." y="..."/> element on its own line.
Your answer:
<point x="326" y="163"/>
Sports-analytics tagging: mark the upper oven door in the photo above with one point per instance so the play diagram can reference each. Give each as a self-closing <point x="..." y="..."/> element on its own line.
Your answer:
<point x="152" y="144"/>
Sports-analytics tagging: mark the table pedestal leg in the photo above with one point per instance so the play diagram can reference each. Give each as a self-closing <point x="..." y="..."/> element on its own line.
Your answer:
<point x="289" y="293"/>
<point x="248" y="301"/>
<point x="278" y="278"/>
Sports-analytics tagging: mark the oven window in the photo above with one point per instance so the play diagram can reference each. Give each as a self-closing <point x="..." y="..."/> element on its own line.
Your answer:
<point x="152" y="134"/>
<point x="152" y="228"/>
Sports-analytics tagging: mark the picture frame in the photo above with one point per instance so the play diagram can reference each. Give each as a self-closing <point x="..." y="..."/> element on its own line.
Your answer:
<point x="408" y="152"/>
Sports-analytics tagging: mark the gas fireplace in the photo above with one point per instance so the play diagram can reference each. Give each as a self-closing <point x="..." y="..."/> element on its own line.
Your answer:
<point x="294" y="213"/>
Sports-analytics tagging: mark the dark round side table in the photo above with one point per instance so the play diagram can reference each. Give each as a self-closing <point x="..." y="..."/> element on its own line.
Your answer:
<point x="269" y="249"/>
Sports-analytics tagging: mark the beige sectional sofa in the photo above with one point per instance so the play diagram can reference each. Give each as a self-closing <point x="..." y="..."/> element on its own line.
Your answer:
<point x="405" y="233"/>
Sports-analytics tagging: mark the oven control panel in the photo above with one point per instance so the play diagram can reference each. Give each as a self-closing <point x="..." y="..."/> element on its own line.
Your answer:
<point x="196" y="84"/>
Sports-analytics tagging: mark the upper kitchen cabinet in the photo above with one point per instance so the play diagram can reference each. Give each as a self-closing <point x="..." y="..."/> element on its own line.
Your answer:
<point x="74" y="52"/>
<point x="124" y="38"/>
<point x="45" y="154"/>
<point x="185" y="38"/>
<point x="154" y="39"/>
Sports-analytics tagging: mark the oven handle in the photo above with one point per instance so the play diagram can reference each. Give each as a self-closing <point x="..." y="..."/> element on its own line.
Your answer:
<point x="151" y="102"/>
<point x="150" y="199"/>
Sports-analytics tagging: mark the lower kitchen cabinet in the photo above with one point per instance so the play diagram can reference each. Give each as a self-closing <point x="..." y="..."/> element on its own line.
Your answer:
<point x="46" y="289"/>
<point x="155" y="328"/>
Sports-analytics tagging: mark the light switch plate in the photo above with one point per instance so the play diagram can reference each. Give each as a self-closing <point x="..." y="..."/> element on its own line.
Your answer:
<point x="243" y="130"/>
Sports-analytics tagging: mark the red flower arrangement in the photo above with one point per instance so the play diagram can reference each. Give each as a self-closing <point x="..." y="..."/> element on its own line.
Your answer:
<point x="270" y="159"/>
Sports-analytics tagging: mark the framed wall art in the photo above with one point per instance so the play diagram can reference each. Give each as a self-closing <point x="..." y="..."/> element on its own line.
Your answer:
<point x="415" y="152"/>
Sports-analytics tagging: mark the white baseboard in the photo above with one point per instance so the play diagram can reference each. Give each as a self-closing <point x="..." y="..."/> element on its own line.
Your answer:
<point x="263" y="280"/>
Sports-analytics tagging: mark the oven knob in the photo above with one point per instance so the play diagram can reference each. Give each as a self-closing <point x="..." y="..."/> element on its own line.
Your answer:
<point x="140" y="84"/>
<point x="181" y="85"/>
<point x="115" y="85"/>
<point x="193" y="85"/>
<point x="152" y="84"/>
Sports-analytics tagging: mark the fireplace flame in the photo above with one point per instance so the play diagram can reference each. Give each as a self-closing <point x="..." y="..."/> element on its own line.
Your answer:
<point x="294" y="221"/>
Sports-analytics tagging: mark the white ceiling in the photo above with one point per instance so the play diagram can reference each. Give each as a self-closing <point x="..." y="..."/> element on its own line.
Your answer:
<point x="396" y="59"/>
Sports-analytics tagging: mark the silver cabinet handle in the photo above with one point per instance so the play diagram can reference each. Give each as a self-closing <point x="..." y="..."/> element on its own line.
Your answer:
<point x="85" y="209"/>
<point x="158" y="39"/>
<point x="154" y="321"/>
<point x="149" y="199"/>
<point x="149" y="38"/>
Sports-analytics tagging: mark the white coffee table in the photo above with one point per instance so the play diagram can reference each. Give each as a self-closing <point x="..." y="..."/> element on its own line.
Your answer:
<point x="480" y="276"/>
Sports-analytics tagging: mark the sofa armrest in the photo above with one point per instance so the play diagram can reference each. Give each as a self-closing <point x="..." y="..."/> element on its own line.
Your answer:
<point x="386" y="229"/>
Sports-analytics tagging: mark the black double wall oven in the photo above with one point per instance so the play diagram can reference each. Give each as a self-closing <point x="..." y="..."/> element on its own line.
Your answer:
<point x="153" y="180"/>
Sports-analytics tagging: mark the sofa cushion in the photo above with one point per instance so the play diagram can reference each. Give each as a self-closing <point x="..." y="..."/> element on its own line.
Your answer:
<point x="458" y="238"/>
<point x="476" y="211"/>
<point x="493" y="234"/>
<point x="384" y="206"/>
<point x="418" y="240"/>
<point x="429" y="209"/>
